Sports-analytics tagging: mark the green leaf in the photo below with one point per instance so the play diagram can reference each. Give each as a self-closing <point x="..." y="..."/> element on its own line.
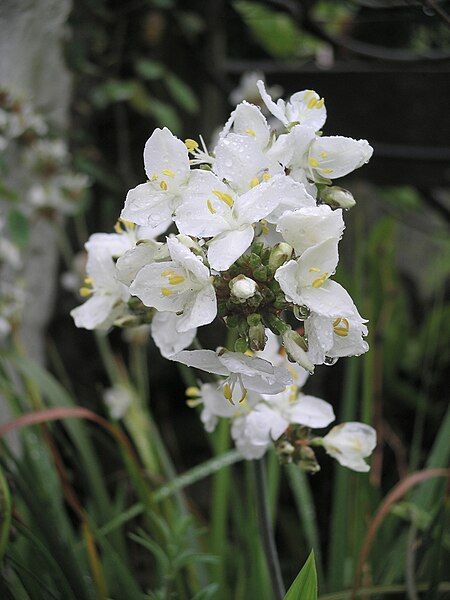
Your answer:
<point x="5" y="514"/>
<point x="18" y="227"/>
<point x="182" y="93"/>
<point x="149" y="69"/>
<point x="305" y="584"/>
<point x="112" y="91"/>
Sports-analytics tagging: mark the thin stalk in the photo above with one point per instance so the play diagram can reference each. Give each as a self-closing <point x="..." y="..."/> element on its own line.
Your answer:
<point x="268" y="537"/>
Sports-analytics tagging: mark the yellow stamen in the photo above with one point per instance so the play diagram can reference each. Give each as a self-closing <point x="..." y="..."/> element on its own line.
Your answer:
<point x="308" y="95"/>
<point x="324" y="154"/>
<point x="266" y="176"/>
<point x="313" y="162"/>
<point x="320" y="103"/>
<point x="168" y="172"/>
<point x="191" y="145"/>
<point x="327" y="170"/>
<point x="254" y="182"/>
<point x="85" y="292"/>
<point x="341" y="327"/>
<point x="168" y="273"/>
<point x="312" y="103"/>
<point x="244" y="397"/>
<point x="314" y="270"/>
<point x="163" y="185"/>
<point x="264" y="227"/>
<point x="118" y="227"/>
<point x="210" y="206"/>
<point x="154" y="178"/>
<point x="317" y="283"/>
<point x="88" y="280"/>
<point x="176" y="279"/>
<point x="224" y="197"/>
<point x="193" y="402"/>
<point x="192" y="391"/>
<point x="250" y="132"/>
<point x="166" y="292"/>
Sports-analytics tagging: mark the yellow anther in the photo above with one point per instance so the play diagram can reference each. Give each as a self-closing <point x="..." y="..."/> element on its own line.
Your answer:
<point x="191" y="145"/>
<point x="166" y="292"/>
<point x="314" y="270"/>
<point x="85" y="292"/>
<point x="224" y="197"/>
<point x="312" y="103"/>
<point x="193" y="402"/>
<point x="88" y="280"/>
<point x="210" y="206"/>
<point x="327" y="171"/>
<point x="324" y="154"/>
<point x="313" y="162"/>
<point x="254" y="182"/>
<point x="168" y="172"/>
<point x="228" y="393"/>
<point x="266" y="176"/>
<point x="251" y="132"/>
<point x="264" y="227"/>
<point x="163" y="185"/>
<point x="167" y="272"/>
<point x="192" y="391"/>
<point x="243" y="397"/>
<point x="320" y="103"/>
<point x="341" y="327"/>
<point x="154" y="177"/>
<point x="176" y="279"/>
<point x="308" y="95"/>
<point x="118" y="227"/>
<point x="317" y="283"/>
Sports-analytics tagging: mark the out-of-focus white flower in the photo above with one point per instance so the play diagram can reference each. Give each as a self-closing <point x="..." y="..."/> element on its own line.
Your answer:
<point x="170" y="341"/>
<point x="118" y="400"/>
<point x="247" y="89"/>
<point x="182" y="284"/>
<point x="243" y="372"/>
<point x="166" y="164"/>
<point x="350" y="444"/>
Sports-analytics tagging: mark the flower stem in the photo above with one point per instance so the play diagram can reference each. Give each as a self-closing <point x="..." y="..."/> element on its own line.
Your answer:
<point x="268" y="538"/>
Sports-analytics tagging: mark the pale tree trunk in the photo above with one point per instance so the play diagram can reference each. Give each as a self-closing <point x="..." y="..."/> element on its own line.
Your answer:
<point x="32" y="68"/>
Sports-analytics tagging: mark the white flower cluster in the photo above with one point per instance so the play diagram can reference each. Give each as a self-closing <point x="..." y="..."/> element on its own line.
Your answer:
<point x="258" y="225"/>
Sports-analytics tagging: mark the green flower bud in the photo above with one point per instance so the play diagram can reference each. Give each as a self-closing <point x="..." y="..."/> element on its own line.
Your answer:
<point x="279" y="254"/>
<point x="337" y="197"/>
<point x="240" y="345"/>
<point x="254" y="261"/>
<point x="261" y="273"/>
<point x="257" y="337"/>
<point x="276" y="325"/>
<point x="232" y="321"/>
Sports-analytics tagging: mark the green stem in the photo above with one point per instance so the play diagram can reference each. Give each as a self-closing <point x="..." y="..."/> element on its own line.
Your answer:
<point x="268" y="537"/>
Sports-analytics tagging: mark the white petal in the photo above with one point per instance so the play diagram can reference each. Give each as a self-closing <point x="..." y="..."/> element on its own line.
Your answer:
<point x="144" y="205"/>
<point x="165" y="334"/>
<point x="206" y="360"/>
<point x="336" y="156"/>
<point x="319" y="332"/>
<point x="293" y="196"/>
<point x="225" y="249"/>
<point x="187" y="259"/>
<point x="311" y="412"/>
<point x="247" y="119"/>
<point x="132" y="261"/>
<point x="318" y="262"/>
<point x="215" y="401"/>
<point x="200" y="311"/>
<point x="96" y="313"/>
<point x="201" y="213"/>
<point x="152" y="288"/>
<point x="330" y="300"/>
<point x="310" y="226"/>
<point x="306" y="108"/>
<point x="114" y="243"/>
<point x="277" y="109"/>
<point x="286" y="276"/>
<point x="165" y="152"/>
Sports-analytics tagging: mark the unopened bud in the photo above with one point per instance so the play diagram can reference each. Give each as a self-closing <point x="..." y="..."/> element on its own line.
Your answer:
<point x="257" y="337"/>
<point x="337" y="197"/>
<point x="240" y="345"/>
<point x="296" y="347"/>
<point x="243" y="287"/>
<point x="307" y="460"/>
<point x="280" y="254"/>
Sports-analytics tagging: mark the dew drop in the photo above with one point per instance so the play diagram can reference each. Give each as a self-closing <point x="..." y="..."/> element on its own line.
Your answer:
<point x="330" y="361"/>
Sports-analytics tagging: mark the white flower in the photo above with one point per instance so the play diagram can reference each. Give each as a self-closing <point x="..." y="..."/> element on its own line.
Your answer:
<point x="301" y="409"/>
<point x="211" y="209"/>
<point x="125" y="238"/>
<point x="243" y="372"/>
<point x="243" y="287"/>
<point x="350" y="444"/>
<point x="166" y="335"/>
<point x="254" y="432"/>
<point x="108" y="296"/>
<point x="310" y="226"/>
<point x="306" y="280"/>
<point x="118" y="399"/>
<point x="275" y="353"/>
<point x="338" y="336"/>
<point x="306" y="108"/>
<point x="216" y="406"/>
<point x="166" y="164"/>
<point x="182" y="284"/>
